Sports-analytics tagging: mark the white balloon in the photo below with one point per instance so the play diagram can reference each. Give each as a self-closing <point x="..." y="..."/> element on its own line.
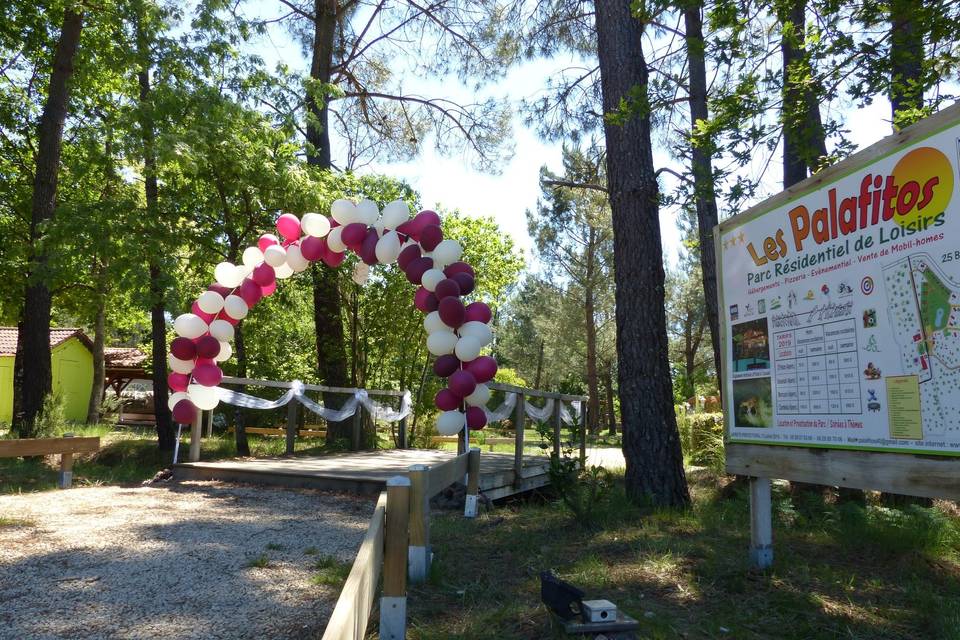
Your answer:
<point x="432" y="323"/>
<point x="367" y="212"/>
<point x="205" y="398"/>
<point x="295" y="259"/>
<point x="361" y="272"/>
<point x="189" y="325"/>
<point x="315" y="224"/>
<point x="283" y="271"/>
<point x="210" y="302"/>
<point x="252" y="256"/>
<point x="478" y="330"/>
<point x="177" y="397"/>
<point x="275" y="255"/>
<point x="334" y="242"/>
<point x="388" y="248"/>
<point x="440" y="343"/>
<point x="447" y="252"/>
<point x="468" y="348"/>
<point x="479" y="397"/>
<point x="221" y="330"/>
<point x="236" y="307"/>
<point x="178" y="365"/>
<point x="431" y="278"/>
<point x="225" y="352"/>
<point x="395" y="214"/>
<point x="450" y="423"/>
<point x="245" y="270"/>
<point x="228" y="275"/>
<point x="343" y="211"/>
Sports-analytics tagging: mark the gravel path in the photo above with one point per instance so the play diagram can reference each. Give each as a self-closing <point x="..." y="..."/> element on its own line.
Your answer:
<point x="172" y="561"/>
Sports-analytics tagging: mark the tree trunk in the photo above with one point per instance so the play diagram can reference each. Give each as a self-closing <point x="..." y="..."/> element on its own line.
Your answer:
<point x="536" y="380"/>
<point x="611" y="409"/>
<point x="651" y="443"/>
<point x="33" y="380"/>
<point x="239" y="418"/>
<point x="906" y="62"/>
<point x="99" y="375"/>
<point x="701" y="163"/>
<point x="590" y="322"/>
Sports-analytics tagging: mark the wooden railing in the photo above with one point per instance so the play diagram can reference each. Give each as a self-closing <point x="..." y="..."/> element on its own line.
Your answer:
<point x="65" y="446"/>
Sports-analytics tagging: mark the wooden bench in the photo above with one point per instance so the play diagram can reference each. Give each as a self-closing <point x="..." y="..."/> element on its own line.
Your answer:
<point x="267" y="431"/>
<point x="65" y="447"/>
<point x="489" y="441"/>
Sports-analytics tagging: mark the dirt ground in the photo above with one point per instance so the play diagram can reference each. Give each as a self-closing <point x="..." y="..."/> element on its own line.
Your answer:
<point x="192" y="560"/>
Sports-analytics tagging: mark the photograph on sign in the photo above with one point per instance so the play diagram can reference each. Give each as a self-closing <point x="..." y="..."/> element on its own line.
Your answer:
<point x="841" y="308"/>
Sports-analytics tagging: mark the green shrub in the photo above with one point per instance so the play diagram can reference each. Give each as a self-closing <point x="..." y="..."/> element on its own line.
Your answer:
<point x="701" y="436"/>
<point x="53" y="416"/>
<point x="915" y="528"/>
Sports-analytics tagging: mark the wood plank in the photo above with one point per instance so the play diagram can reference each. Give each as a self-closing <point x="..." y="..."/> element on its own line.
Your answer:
<point x="352" y="611"/>
<point x="395" y="544"/>
<point x="47" y="446"/>
<point x="519" y="426"/>
<point x="500" y="386"/>
<point x="915" y="475"/>
<point x="276" y="384"/>
<point x="445" y="474"/>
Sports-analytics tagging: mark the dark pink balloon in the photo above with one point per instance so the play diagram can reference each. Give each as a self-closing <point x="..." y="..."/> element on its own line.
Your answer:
<point x="452" y="311"/>
<point x="289" y="226"/>
<point x="183" y="348"/>
<point x="269" y="289"/>
<point x="466" y="282"/>
<point x="205" y="361"/>
<point x="462" y="383"/>
<point x="219" y="288"/>
<point x="417" y="268"/>
<point x="353" y="235"/>
<point x="458" y="267"/>
<point x="444" y="366"/>
<point x="208" y="347"/>
<point x="478" y="312"/>
<point x="333" y="259"/>
<point x="263" y="274"/>
<point x="446" y="400"/>
<point x="431" y="236"/>
<point x="368" y="250"/>
<point x="178" y="381"/>
<point x="265" y="241"/>
<point x="333" y="223"/>
<point x="197" y="311"/>
<point x="420" y="299"/>
<point x="224" y="316"/>
<point x="209" y="375"/>
<point x="313" y="248"/>
<point x="407" y="229"/>
<point x="483" y="368"/>
<point x="250" y="292"/>
<point x="446" y="288"/>
<point x="408" y="255"/>
<point x="425" y="218"/>
<point x="476" y="418"/>
<point x="184" y="412"/>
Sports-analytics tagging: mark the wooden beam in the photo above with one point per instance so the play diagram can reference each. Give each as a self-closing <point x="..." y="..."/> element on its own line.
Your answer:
<point x="310" y="387"/>
<point x="47" y="446"/>
<point x="519" y="424"/>
<point x="195" y="437"/>
<point x="536" y="393"/>
<point x="473" y="483"/>
<point x="557" y="426"/>
<point x="419" y="553"/>
<point x="446" y="473"/>
<point x="393" y="604"/>
<point x="292" y="407"/>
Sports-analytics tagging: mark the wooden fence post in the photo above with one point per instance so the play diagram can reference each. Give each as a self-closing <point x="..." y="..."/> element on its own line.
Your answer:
<point x="419" y="554"/>
<point x="761" y="524"/>
<point x="393" y="603"/>
<point x="557" y="423"/>
<point x="195" y="437"/>
<point x="291" y="424"/>
<point x="473" y="483"/>
<point x="402" y="432"/>
<point x="583" y="434"/>
<point x="357" y="427"/>
<point x="66" y="467"/>
<point x="519" y="422"/>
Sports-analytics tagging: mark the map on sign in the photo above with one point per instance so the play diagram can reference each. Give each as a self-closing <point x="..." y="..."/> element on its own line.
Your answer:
<point x="841" y="307"/>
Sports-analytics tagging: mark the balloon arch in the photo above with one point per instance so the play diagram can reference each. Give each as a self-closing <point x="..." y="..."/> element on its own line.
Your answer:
<point x="456" y="331"/>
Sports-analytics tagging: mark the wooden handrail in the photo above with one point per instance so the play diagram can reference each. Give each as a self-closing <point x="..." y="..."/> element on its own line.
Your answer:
<point x="536" y="393"/>
<point x="47" y="446"/>
<point x="446" y="473"/>
<point x="310" y="387"/>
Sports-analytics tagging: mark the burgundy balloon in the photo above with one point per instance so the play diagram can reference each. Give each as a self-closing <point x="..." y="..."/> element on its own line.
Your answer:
<point x="466" y="282"/>
<point x="424" y="219"/>
<point x="478" y="312"/>
<point x="483" y="368"/>
<point x="250" y="292"/>
<point x="431" y="236"/>
<point x="209" y="375"/>
<point x="353" y="235"/>
<point x="406" y="229"/>
<point x="444" y="366"/>
<point x="197" y="311"/>
<point x="462" y="383"/>
<point x="207" y="347"/>
<point x="446" y="288"/>
<point x="452" y="311"/>
<point x="408" y="255"/>
<point x="446" y="400"/>
<point x="183" y="348"/>
<point x="420" y="299"/>
<point x="432" y="303"/>
<point x="458" y="267"/>
<point x="184" y="412"/>
<point x="264" y="275"/>
<point x="223" y="316"/>
<point x="312" y="248"/>
<point x="178" y="381"/>
<point x="333" y="259"/>
<point x="417" y="268"/>
<point x="476" y="418"/>
<point x="368" y="250"/>
<point x="219" y="288"/>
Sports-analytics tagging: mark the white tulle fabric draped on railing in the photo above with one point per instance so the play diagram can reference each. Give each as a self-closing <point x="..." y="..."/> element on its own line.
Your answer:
<point x="298" y="392"/>
<point x="504" y="411"/>
<point x="541" y="414"/>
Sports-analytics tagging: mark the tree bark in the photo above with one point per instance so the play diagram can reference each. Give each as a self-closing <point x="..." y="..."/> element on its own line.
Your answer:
<point x="33" y="380"/>
<point x="590" y="322"/>
<point x="536" y="380"/>
<point x="701" y="163"/>
<point x="906" y="62"/>
<point x="99" y="329"/>
<point x="651" y="443"/>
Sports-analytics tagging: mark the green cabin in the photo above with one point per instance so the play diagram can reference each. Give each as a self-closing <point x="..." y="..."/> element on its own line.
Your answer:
<point x="71" y="357"/>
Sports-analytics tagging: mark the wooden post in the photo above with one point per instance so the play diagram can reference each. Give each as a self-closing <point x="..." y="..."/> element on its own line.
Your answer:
<point x="357" y="426"/>
<point x="419" y="554"/>
<point x="583" y="433"/>
<point x="292" y="407"/>
<point x="761" y="524"/>
<point x="195" y="438"/>
<point x="519" y="422"/>
<point x="66" y="467"/>
<point x="473" y="483"/>
<point x="393" y="604"/>
<point x="402" y="432"/>
<point x="208" y="430"/>
<point x="557" y="423"/>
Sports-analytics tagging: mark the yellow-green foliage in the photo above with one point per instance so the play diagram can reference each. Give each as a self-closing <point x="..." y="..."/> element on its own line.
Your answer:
<point x="701" y="435"/>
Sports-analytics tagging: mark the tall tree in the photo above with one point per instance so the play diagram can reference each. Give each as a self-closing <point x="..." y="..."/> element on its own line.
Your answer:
<point x="651" y="442"/>
<point x="32" y="377"/>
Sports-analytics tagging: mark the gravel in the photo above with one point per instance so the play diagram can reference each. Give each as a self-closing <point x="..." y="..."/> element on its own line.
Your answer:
<point x="172" y="561"/>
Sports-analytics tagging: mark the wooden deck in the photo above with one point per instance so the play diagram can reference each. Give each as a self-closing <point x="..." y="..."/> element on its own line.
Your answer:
<point x="365" y="472"/>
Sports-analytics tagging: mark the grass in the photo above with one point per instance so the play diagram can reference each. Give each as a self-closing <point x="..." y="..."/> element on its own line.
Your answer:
<point x="330" y="572"/>
<point x="261" y="561"/>
<point x="10" y="521"/>
<point x="839" y="571"/>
